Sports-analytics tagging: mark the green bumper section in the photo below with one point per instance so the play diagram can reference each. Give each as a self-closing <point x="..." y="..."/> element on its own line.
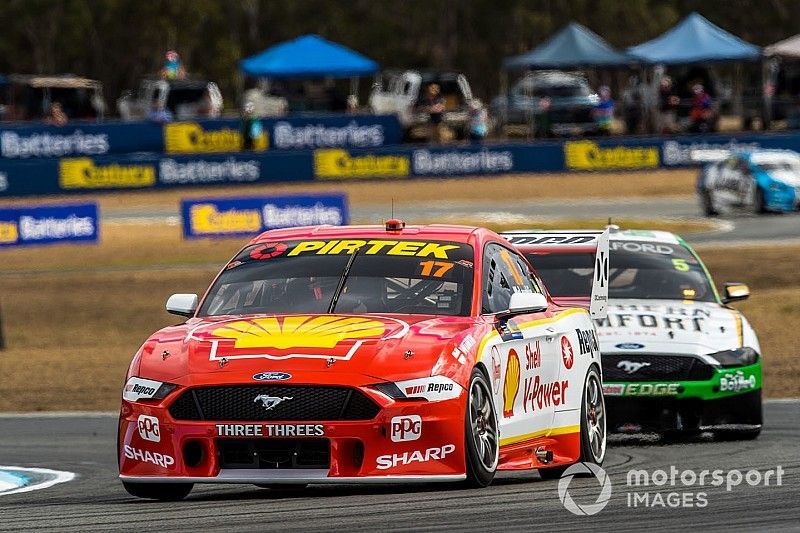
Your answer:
<point x="725" y="382"/>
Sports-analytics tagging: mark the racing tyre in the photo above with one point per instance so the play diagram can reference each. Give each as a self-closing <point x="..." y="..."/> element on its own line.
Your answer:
<point x="593" y="426"/>
<point x="707" y="204"/>
<point x="759" y="207"/>
<point x="165" y="492"/>
<point x="481" y="433"/>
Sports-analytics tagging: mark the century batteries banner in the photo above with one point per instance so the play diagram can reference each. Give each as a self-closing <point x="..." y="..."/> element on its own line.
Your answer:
<point x="197" y="137"/>
<point x="149" y="171"/>
<point x="227" y="217"/>
<point x="22" y="226"/>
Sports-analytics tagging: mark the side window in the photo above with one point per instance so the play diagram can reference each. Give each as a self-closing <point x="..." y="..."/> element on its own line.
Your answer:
<point x="504" y="273"/>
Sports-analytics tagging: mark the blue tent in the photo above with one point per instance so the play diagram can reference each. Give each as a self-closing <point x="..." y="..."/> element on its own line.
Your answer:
<point x="574" y="46"/>
<point x="309" y="56"/>
<point x="695" y="40"/>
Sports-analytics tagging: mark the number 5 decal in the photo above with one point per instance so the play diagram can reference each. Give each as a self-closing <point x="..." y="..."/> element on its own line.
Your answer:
<point x="680" y="265"/>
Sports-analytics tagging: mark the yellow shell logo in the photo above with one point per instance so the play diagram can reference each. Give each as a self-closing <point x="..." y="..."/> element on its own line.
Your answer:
<point x="511" y="387"/>
<point x="299" y="331"/>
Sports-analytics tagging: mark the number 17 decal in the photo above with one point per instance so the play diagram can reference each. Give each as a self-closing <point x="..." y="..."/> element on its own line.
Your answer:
<point x="442" y="268"/>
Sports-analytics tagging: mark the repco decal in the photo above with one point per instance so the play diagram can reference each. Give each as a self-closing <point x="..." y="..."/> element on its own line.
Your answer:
<point x="587" y="341"/>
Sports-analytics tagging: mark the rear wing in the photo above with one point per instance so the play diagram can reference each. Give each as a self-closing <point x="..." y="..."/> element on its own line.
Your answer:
<point x="570" y="242"/>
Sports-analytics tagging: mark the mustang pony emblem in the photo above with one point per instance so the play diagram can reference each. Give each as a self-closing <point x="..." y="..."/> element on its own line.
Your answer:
<point x="269" y="402"/>
<point x="631" y="366"/>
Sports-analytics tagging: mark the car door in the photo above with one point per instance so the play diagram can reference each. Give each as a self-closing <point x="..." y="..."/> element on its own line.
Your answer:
<point x="524" y="352"/>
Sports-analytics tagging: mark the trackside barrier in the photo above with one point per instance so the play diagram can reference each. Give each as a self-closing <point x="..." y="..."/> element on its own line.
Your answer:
<point x="228" y="217"/>
<point x="196" y="137"/>
<point x="150" y="171"/>
<point x="48" y="224"/>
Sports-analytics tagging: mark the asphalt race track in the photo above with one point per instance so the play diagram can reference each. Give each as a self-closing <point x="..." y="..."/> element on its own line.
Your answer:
<point x="95" y="500"/>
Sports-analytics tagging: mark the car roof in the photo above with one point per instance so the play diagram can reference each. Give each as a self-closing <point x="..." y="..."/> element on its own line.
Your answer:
<point x="640" y="235"/>
<point x="441" y="232"/>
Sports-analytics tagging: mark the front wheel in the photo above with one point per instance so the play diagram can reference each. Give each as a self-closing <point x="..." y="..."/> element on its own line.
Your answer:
<point x="481" y="432"/>
<point x="707" y="203"/>
<point x="166" y="492"/>
<point x="593" y="426"/>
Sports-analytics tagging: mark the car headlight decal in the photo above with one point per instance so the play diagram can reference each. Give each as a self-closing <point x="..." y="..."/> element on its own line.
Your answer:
<point x="738" y="357"/>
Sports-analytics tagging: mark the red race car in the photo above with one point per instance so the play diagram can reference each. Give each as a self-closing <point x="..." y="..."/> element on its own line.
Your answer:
<point x="366" y="354"/>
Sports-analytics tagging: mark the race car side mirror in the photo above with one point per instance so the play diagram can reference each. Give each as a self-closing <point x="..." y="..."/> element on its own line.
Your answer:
<point x="182" y="304"/>
<point x="524" y="302"/>
<point x="735" y="292"/>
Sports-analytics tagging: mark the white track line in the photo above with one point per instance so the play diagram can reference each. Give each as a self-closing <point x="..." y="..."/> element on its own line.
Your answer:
<point x="59" y="476"/>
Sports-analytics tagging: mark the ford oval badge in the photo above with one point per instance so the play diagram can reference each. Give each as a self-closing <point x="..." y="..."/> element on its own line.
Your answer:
<point x="630" y="346"/>
<point x="272" y="376"/>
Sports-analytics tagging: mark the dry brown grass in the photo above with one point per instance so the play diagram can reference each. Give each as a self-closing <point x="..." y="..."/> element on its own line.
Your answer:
<point x="71" y="336"/>
<point x="515" y="186"/>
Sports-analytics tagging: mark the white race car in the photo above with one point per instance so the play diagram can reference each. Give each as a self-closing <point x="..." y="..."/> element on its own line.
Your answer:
<point x="676" y="358"/>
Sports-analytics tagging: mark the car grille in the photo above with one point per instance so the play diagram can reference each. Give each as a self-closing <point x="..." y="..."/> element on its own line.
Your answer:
<point x="274" y="454"/>
<point x="296" y="403"/>
<point x="656" y="368"/>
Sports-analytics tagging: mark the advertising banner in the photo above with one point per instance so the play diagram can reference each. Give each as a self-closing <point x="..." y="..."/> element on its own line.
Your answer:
<point x="249" y="216"/>
<point x="307" y="132"/>
<point x="23" y="226"/>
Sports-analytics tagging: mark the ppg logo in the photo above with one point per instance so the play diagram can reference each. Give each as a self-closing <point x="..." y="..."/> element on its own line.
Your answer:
<point x="148" y="428"/>
<point x="406" y="428"/>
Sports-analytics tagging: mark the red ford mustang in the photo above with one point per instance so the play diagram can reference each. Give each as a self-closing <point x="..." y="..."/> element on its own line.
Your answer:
<point x="364" y="354"/>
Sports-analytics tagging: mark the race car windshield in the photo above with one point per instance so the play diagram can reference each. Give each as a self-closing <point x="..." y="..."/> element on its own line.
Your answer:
<point x="639" y="270"/>
<point x="386" y="276"/>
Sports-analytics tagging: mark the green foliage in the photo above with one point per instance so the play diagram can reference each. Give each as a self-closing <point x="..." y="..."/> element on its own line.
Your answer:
<point x="120" y="41"/>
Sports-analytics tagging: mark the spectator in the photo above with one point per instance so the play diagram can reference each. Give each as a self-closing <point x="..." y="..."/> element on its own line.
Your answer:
<point x="56" y="117"/>
<point x="701" y="115"/>
<point x="604" y="111"/>
<point x="173" y="67"/>
<point x="159" y="113"/>
<point x="433" y="103"/>
<point x="632" y="100"/>
<point x="477" y="126"/>
<point x="251" y="127"/>
<point x="668" y="102"/>
<point x="542" y="123"/>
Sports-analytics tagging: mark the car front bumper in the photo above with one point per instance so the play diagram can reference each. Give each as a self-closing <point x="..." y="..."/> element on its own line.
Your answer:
<point x="730" y="399"/>
<point x="294" y="452"/>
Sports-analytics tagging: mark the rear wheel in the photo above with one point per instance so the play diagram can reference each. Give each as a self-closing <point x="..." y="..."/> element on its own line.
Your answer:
<point x="166" y="492"/>
<point x="593" y="426"/>
<point x="480" y="432"/>
<point x="759" y="207"/>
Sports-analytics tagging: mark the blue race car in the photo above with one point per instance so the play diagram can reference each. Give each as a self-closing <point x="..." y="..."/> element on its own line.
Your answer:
<point x="757" y="181"/>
